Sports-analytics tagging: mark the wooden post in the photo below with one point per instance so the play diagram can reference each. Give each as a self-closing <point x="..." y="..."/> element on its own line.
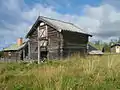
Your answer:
<point x="61" y="45"/>
<point x="38" y="45"/>
<point x="48" y="54"/>
<point x="46" y="31"/>
<point x="47" y="41"/>
<point x="16" y="56"/>
<point x="29" y="51"/>
<point x="24" y="54"/>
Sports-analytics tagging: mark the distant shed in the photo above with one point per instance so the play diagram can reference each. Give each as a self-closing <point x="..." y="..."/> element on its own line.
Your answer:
<point x="16" y="51"/>
<point x="115" y="48"/>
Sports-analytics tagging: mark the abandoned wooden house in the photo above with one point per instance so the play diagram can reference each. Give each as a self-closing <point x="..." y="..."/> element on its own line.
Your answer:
<point x="115" y="48"/>
<point x="18" y="51"/>
<point x="54" y="39"/>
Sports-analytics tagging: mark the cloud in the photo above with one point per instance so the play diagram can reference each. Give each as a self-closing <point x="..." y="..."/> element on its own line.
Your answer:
<point x="108" y="18"/>
<point x="103" y="21"/>
<point x="12" y="24"/>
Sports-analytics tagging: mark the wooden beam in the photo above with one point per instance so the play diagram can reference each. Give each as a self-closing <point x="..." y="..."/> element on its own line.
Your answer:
<point x="23" y="53"/>
<point x="29" y="50"/>
<point x="38" y="45"/>
<point x="16" y="56"/>
<point x="47" y="42"/>
<point x="61" y="44"/>
<point x="46" y="31"/>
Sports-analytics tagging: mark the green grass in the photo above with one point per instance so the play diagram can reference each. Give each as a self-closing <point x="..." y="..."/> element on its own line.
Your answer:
<point x="74" y="73"/>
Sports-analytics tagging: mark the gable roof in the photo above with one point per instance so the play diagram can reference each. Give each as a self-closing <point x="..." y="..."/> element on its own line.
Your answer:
<point x="58" y="25"/>
<point x="117" y="44"/>
<point x="14" y="47"/>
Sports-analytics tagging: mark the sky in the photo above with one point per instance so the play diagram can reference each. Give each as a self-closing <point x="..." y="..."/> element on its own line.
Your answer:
<point x="101" y="18"/>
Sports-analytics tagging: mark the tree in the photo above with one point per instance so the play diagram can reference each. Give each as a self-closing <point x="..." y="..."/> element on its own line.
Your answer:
<point x="97" y="42"/>
<point x="106" y="47"/>
<point x="118" y="40"/>
<point x="1" y="54"/>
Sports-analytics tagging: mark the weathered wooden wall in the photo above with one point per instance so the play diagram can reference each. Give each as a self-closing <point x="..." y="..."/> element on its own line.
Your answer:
<point x="74" y="43"/>
<point x="12" y="55"/>
<point x="33" y="45"/>
<point x="59" y="44"/>
<point x="54" y="43"/>
<point x="115" y="49"/>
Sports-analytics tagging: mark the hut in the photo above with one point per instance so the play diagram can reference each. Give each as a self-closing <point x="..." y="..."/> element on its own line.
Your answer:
<point x="53" y="39"/>
<point x="18" y="51"/>
<point x="115" y="48"/>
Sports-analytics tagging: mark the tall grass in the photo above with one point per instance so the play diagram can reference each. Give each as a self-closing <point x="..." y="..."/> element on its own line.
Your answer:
<point x="74" y="73"/>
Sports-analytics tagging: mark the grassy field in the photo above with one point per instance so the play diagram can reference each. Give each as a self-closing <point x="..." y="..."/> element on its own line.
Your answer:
<point x="74" y="73"/>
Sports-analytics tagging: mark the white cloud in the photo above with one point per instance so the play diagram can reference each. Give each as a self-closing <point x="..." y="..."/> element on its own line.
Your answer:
<point x="12" y="4"/>
<point x="101" y="21"/>
<point x="105" y="21"/>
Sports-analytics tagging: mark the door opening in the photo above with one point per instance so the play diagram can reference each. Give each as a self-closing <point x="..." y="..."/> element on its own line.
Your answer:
<point x="43" y="55"/>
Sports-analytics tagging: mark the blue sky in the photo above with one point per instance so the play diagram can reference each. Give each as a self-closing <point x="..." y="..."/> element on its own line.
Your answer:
<point x="101" y="18"/>
<point x="66" y="6"/>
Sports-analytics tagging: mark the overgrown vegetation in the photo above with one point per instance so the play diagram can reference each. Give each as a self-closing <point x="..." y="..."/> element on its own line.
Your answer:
<point x="75" y="73"/>
<point x="104" y="46"/>
<point x="1" y="54"/>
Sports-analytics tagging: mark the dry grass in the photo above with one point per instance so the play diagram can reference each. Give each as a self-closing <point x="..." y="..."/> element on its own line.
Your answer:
<point x="74" y="73"/>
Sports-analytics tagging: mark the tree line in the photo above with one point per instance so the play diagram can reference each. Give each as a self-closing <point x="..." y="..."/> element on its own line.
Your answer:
<point x="106" y="46"/>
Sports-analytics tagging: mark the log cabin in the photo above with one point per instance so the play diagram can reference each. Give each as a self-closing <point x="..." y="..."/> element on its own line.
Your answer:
<point x="18" y="51"/>
<point x="54" y="39"/>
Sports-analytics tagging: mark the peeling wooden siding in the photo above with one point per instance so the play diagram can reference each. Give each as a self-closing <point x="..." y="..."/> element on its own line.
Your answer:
<point x="33" y="46"/>
<point x="74" y="43"/>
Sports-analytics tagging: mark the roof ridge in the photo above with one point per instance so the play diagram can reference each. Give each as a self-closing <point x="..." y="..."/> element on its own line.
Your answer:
<point x="63" y="22"/>
<point x="57" y="20"/>
<point x="77" y="27"/>
<point x="64" y="27"/>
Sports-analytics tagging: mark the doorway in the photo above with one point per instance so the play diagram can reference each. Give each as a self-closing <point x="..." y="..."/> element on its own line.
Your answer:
<point x="21" y="55"/>
<point x="43" y="55"/>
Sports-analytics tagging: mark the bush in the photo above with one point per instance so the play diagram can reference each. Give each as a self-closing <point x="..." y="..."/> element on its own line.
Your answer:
<point x="1" y="54"/>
